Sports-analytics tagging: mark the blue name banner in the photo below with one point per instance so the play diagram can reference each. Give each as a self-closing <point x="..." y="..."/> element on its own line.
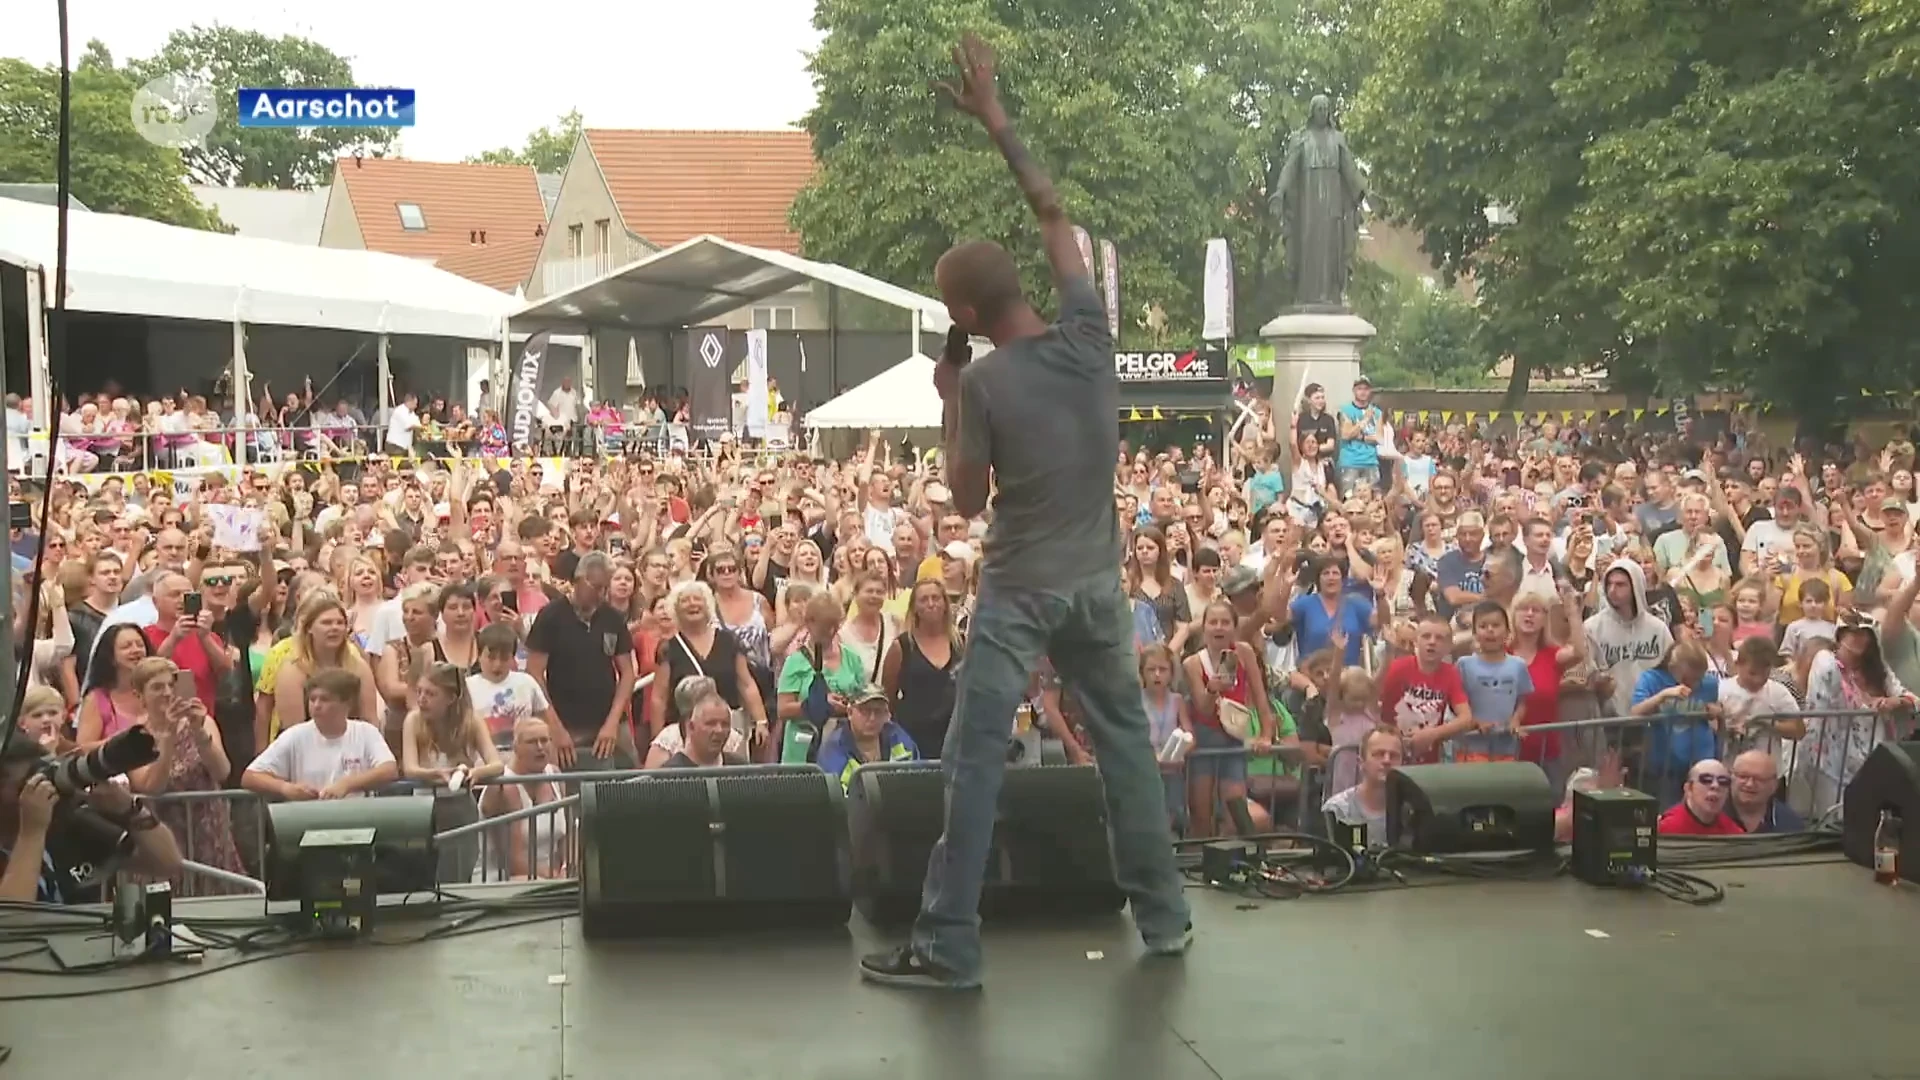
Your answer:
<point x="294" y="107"/>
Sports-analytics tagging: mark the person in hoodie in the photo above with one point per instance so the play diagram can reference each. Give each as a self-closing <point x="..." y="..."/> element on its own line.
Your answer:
<point x="1624" y="639"/>
<point x="1684" y="696"/>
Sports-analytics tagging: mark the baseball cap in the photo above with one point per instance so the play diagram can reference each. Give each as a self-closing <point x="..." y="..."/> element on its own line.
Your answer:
<point x="872" y="695"/>
<point x="958" y="550"/>
<point x="1363" y="381"/>
<point x="1240" y="580"/>
<point x="1892" y="504"/>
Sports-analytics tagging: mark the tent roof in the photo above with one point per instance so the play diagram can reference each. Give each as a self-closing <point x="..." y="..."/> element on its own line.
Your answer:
<point x="130" y="266"/>
<point x="900" y="397"/>
<point x="704" y="278"/>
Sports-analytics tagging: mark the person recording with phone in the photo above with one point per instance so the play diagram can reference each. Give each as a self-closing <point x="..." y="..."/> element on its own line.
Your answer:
<point x="185" y="634"/>
<point x="38" y="859"/>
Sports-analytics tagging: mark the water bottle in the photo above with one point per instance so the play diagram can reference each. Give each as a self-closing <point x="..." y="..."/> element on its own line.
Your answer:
<point x="1886" y="849"/>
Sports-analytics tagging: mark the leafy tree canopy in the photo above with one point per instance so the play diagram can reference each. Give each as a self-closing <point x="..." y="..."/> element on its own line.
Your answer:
<point x="1161" y="122"/>
<point x="1690" y="192"/>
<point x="228" y="59"/>
<point x="548" y="150"/>
<point x="115" y="170"/>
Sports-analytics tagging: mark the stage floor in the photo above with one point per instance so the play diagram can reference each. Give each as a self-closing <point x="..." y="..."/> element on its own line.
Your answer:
<point x="1804" y="972"/>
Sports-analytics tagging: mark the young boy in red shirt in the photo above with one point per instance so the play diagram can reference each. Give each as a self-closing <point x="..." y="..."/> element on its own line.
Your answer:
<point x="1417" y="691"/>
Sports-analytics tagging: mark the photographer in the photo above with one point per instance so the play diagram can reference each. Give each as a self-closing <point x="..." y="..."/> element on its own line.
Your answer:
<point x="27" y="800"/>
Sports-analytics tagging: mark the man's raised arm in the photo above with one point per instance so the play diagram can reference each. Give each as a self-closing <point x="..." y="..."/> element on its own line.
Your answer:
<point x="977" y="95"/>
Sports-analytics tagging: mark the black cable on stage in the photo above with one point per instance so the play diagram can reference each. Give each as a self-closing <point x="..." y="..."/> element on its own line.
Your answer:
<point x="56" y="359"/>
<point x="549" y="904"/>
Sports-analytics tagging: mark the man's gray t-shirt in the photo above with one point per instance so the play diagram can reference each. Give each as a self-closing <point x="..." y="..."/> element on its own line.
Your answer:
<point x="1044" y="412"/>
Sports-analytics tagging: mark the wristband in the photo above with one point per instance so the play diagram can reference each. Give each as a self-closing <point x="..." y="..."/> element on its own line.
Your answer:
<point x="142" y="819"/>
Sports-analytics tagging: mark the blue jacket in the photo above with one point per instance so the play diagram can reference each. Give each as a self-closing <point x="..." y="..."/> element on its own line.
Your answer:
<point x="1672" y="740"/>
<point x="838" y="756"/>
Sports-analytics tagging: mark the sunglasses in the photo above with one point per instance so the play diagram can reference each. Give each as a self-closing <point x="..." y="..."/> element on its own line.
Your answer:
<point x="1714" y="780"/>
<point x="215" y="581"/>
<point x="726" y="569"/>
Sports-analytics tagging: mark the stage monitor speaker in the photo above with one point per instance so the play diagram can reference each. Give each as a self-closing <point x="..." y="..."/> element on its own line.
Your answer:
<point x="1470" y="807"/>
<point x="1888" y="780"/>
<point x="404" y="859"/>
<point x="698" y="851"/>
<point x="1050" y="853"/>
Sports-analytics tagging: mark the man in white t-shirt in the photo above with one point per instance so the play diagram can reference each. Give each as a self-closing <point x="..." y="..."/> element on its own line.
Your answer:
<point x="330" y="756"/>
<point x="563" y="413"/>
<point x="1751" y="692"/>
<point x="502" y="695"/>
<point x="401" y="425"/>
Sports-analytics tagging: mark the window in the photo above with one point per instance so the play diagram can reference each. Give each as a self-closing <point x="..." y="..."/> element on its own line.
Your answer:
<point x="603" y="237"/>
<point x="411" y="219"/>
<point x="773" y="318"/>
<point x="576" y="240"/>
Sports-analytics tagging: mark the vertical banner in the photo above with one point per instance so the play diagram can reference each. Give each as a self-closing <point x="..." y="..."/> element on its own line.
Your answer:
<point x="1085" y="243"/>
<point x="758" y="403"/>
<point x="1216" y="323"/>
<point x="524" y="401"/>
<point x="710" y="406"/>
<point x="1110" y="282"/>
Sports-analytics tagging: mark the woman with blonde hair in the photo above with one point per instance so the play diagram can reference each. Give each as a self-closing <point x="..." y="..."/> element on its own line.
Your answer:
<point x="697" y="645"/>
<point x="1536" y="642"/>
<point x="363" y="586"/>
<point x="192" y="758"/>
<point x="918" y="673"/>
<point x="399" y="664"/>
<point x="446" y="746"/>
<point x="320" y="642"/>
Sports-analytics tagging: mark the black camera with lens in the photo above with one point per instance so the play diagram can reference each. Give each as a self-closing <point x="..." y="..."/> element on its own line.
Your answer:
<point x="86" y="845"/>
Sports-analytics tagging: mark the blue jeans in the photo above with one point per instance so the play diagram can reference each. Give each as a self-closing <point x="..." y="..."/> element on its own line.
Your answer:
<point x="1086" y="628"/>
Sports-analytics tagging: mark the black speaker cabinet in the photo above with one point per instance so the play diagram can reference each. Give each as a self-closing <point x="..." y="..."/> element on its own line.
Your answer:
<point x="1888" y="780"/>
<point x="404" y="859"/>
<point x="696" y="851"/>
<point x="1469" y="807"/>
<point x="1051" y="854"/>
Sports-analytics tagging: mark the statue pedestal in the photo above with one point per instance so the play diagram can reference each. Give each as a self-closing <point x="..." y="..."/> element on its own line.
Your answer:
<point x="1315" y="347"/>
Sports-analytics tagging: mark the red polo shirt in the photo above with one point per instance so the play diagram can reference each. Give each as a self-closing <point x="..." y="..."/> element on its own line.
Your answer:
<point x="1680" y="821"/>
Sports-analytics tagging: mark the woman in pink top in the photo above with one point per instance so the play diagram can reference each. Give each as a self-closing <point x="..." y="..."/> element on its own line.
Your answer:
<point x="111" y="705"/>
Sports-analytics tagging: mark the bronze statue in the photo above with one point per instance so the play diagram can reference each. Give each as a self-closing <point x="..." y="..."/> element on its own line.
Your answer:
<point x="1319" y="197"/>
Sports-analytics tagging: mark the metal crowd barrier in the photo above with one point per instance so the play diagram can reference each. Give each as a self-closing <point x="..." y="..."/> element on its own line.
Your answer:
<point x="1814" y="770"/>
<point x="227" y="447"/>
<point x="537" y="842"/>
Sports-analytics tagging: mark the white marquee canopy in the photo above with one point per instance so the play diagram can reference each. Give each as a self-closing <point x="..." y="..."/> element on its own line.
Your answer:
<point x="901" y="397"/>
<point x="130" y="266"/>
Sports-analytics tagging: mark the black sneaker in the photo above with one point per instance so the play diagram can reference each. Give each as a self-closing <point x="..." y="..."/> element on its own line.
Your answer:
<point x="904" y="967"/>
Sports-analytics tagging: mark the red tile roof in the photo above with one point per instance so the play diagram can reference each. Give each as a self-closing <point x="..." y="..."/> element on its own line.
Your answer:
<point x="460" y="202"/>
<point x="674" y="185"/>
<point x="503" y="264"/>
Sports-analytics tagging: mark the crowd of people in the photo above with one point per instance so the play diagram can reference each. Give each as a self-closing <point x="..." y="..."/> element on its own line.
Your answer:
<point x="111" y="430"/>
<point x="1316" y="604"/>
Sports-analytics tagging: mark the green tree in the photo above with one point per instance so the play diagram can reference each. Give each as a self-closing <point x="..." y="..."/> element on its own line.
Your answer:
<point x="1688" y="192"/>
<point x="1428" y="338"/>
<point x="228" y="59"/>
<point x="115" y="170"/>
<point x="1161" y="122"/>
<point x="548" y="150"/>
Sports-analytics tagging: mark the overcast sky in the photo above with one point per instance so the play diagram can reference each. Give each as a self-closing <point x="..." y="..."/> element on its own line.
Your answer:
<point x="488" y="73"/>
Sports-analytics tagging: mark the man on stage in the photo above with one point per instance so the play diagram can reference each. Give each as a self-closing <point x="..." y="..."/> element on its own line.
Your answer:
<point x="1040" y="416"/>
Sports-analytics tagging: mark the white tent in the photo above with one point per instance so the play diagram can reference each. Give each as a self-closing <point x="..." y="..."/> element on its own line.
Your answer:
<point x="130" y="266"/>
<point x="899" y="398"/>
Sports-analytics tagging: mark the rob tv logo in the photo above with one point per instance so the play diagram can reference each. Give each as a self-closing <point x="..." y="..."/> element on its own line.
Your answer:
<point x="299" y="107"/>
